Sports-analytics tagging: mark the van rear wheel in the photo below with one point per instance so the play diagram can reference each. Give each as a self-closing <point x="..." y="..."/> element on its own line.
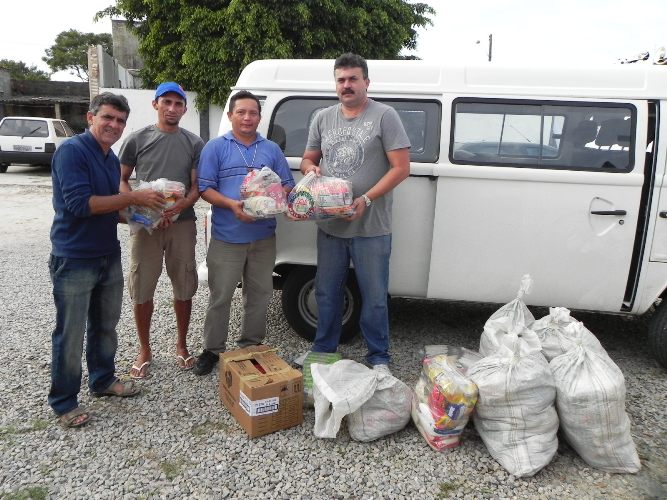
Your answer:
<point x="3" y="167"/>
<point x="300" y="307"/>
<point x="657" y="334"/>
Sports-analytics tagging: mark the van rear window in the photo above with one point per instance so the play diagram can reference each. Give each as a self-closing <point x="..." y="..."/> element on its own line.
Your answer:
<point x="421" y="119"/>
<point x="539" y="134"/>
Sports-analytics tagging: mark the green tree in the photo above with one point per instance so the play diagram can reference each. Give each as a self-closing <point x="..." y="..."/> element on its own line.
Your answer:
<point x="70" y="52"/>
<point x="18" y="70"/>
<point x="204" y="44"/>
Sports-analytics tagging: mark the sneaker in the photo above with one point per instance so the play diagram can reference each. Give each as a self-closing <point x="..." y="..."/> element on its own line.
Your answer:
<point x="205" y="363"/>
<point x="384" y="369"/>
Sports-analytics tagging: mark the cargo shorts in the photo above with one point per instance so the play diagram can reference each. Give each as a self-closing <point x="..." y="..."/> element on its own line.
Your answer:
<point x="176" y="245"/>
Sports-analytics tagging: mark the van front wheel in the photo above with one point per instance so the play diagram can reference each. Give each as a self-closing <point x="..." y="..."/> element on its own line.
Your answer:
<point x="657" y="334"/>
<point x="300" y="307"/>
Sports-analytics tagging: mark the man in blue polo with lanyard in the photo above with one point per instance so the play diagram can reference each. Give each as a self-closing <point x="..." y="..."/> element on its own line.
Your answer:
<point x="241" y="247"/>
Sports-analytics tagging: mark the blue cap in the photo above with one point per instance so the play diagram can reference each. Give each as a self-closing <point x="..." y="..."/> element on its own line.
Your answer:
<point x="166" y="87"/>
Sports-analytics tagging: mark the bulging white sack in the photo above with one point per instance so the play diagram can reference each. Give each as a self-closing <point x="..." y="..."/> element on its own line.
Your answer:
<point x="556" y="331"/>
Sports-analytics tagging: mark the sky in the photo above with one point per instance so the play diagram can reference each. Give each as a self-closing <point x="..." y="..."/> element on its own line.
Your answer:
<point x="530" y="32"/>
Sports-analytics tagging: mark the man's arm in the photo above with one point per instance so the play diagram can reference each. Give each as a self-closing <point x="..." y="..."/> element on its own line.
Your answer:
<point x="113" y="203"/>
<point x="399" y="169"/>
<point x="221" y="201"/>
<point x="125" y="173"/>
<point x="311" y="162"/>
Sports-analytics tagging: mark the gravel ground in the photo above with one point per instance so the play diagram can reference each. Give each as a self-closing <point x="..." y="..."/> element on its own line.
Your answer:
<point x="177" y="440"/>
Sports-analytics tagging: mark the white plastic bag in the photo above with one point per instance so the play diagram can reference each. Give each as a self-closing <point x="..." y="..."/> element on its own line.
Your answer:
<point x="515" y="414"/>
<point x="263" y="194"/>
<point x="344" y="387"/>
<point x="320" y="198"/>
<point x="556" y="331"/>
<point x="517" y="310"/>
<point x="591" y="406"/>
<point x="496" y="329"/>
<point x="146" y="218"/>
<point x="444" y="400"/>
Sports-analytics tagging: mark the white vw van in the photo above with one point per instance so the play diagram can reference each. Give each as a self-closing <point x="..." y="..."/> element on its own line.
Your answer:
<point x="554" y="172"/>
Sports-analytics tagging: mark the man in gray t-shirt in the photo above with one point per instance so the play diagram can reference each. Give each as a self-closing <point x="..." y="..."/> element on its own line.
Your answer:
<point x="364" y="142"/>
<point x="164" y="150"/>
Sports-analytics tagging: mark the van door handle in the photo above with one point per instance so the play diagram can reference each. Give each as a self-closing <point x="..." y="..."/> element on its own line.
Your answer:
<point x="663" y="214"/>
<point x="609" y="212"/>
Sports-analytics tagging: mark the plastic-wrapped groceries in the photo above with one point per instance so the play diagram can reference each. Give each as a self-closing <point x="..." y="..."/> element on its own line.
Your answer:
<point x="444" y="400"/>
<point x="311" y="358"/>
<point x="555" y="333"/>
<point x="263" y="194"/>
<point x="517" y="309"/>
<point x="463" y="357"/>
<point x="345" y="387"/>
<point x="591" y="406"/>
<point x="515" y="414"/>
<point x="320" y="198"/>
<point x="385" y="412"/>
<point x="496" y="329"/>
<point x="146" y="218"/>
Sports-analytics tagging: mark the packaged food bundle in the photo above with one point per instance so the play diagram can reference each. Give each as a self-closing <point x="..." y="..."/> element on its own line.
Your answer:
<point x="262" y="194"/>
<point x="444" y="400"/>
<point x="320" y="198"/>
<point x="496" y="329"/>
<point x="557" y="333"/>
<point x="146" y="218"/>
<point x="516" y="309"/>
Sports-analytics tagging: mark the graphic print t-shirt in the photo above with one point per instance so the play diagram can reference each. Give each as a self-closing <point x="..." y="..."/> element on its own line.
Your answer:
<point x="355" y="149"/>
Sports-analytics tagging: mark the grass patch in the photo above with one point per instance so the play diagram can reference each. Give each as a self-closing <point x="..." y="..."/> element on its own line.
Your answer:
<point x="171" y="469"/>
<point x="31" y="493"/>
<point x="446" y="489"/>
<point x="209" y="427"/>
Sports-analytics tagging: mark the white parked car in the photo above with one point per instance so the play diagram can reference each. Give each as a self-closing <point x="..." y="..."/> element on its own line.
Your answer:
<point x="30" y="140"/>
<point x="554" y="172"/>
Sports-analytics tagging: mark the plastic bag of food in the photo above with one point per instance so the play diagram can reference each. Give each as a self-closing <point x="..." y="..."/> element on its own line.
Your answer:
<point x="517" y="310"/>
<point x="496" y="329"/>
<point x="263" y="194"/>
<point x="345" y="388"/>
<point x="463" y="358"/>
<point x="146" y="218"/>
<point x="515" y="414"/>
<point x="444" y="399"/>
<point x="311" y="358"/>
<point x="320" y="198"/>
<point x="591" y="406"/>
<point x="556" y="334"/>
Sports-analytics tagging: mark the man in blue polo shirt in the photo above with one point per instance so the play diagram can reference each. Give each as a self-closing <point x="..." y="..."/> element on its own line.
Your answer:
<point x="241" y="247"/>
<point x="85" y="263"/>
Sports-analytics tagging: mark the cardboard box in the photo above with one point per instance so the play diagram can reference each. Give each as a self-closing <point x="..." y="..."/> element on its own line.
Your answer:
<point x="261" y="391"/>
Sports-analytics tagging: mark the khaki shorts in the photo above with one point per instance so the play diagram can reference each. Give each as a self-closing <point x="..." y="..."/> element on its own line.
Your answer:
<point x="177" y="245"/>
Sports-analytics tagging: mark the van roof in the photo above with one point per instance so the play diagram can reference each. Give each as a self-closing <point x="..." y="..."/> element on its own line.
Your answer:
<point x="421" y="77"/>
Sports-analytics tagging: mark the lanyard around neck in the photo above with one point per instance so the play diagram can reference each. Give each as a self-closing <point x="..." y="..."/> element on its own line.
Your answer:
<point x="250" y="165"/>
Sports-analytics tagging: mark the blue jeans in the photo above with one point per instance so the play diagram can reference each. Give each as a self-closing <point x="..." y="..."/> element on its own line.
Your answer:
<point x="370" y="257"/>
<point x="88" y="294"/>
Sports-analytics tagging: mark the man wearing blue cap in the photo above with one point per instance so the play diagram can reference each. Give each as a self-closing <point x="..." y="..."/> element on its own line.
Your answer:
<point x="164" y="150"/>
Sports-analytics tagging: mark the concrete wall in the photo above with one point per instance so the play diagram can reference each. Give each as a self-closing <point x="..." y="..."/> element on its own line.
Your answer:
<point x="125" y="45"/>
<point x="142" y="113"/>
<point x="5" y="83"/>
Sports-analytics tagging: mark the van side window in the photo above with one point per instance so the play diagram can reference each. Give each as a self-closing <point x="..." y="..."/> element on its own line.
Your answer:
<point x="537" y="134"/>
<point x="60" y="131"/>
<point x="421" y="119"/>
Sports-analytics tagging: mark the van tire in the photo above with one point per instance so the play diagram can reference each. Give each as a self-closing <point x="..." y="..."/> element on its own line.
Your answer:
<point x="300" y="309"/>
<point x="657" y="334"/>
<point x="3" y="167"/>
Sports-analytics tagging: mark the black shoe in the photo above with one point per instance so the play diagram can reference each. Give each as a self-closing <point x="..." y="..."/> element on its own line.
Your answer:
<point x="205" y="363"/>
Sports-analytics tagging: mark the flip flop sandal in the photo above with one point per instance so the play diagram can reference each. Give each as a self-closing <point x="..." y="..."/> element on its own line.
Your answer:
<point x="183" y="362"/>
<point x="127" y="389"/>
<point x="140" y="370"/>
<point x="70" y="420"/>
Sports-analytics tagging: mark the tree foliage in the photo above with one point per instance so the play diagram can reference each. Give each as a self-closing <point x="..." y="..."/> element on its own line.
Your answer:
<point x="70" y="52"/>
<point x="18" y="70"/>
<point x="204" y="44"/>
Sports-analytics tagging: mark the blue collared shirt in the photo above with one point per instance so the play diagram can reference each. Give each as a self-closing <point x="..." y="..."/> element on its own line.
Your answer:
<point x="79" y="170"/>
<point x="223" y="165"/>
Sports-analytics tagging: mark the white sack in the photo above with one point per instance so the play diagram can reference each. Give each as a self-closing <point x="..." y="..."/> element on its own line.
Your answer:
<point x="387" y="411"/>
<point x="496" y="329"/>
<point x="591" y="405"/>
<point x="555" y="332"/>
<point x="516" y="310"/>
<point x="515" y="414"/>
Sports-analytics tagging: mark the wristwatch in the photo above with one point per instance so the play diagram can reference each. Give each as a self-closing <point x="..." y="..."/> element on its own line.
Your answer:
<point x="367" y="200"/>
